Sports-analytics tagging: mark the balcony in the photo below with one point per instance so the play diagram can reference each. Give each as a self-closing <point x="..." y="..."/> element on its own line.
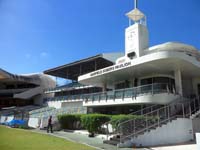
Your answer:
<point x="70" y="86"/>
<point x="158" y="93"/>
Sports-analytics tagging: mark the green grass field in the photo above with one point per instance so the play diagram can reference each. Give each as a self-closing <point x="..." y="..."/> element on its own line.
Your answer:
<point x="17" y="139"/>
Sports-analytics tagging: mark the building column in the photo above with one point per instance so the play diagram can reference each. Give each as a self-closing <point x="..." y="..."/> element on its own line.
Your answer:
<point x="178" y="82"/>
<point x="104" y="87"/>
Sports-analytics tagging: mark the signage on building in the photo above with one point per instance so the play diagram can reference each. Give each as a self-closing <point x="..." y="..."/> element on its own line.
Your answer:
<point x="110" y="69"/>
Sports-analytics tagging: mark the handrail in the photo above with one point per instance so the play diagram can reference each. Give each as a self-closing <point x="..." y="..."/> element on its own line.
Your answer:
<point x="136" y="112"/>
<point x="134" y="92"/>
<point x="143" y="110"/>
<point x="65" y="87"/>
<point x="140" y="112"/>
<point x="182" y="109"/>
<point x="134" y="88"/>
<point x="131" y="135"/>
<point x="172" y="103"/>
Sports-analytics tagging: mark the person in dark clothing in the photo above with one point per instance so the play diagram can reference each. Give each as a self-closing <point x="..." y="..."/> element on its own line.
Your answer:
<point x="50" y="125"/>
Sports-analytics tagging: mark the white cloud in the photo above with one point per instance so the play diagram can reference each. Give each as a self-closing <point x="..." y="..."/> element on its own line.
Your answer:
<point x="43" y="54"/>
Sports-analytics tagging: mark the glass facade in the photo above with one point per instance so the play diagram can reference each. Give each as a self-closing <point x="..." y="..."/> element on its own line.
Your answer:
<point x="170" y="82"/>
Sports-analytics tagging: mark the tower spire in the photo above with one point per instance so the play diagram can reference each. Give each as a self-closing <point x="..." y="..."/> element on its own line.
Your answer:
<point x="136" y="4"/>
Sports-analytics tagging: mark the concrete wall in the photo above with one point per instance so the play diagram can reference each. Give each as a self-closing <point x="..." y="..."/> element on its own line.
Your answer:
<point x="55" y="104"/>
<point x="66" y="104"/>
<point x="136" y="39"/>
<point x="177" y="131"/>
<point x="4" y="119"/>
<point x="34" y="122"/>
<point x="72" y="104"/>
<point x="196" y="125"/>
<point x="41" y="122"/>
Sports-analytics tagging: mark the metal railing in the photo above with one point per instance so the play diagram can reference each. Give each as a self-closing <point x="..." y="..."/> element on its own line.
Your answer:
<point x="55" y="112"/>
<point x="142" y="111"/>
<point x="134" y="92"/>
<point x="65" y="98"/>
<point x="156" y="118"/>
<point x="66" y="87"/>
<point x="135" y="113"/>
<point x="130" y="92"/>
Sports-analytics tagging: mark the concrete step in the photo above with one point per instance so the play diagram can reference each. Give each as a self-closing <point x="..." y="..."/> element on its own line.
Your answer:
<point x="115" y="139"/>
<point x="195" y="114"/>
<point x="111" y="142"/>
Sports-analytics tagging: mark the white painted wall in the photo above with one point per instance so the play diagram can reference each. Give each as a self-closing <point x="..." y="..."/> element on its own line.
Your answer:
<point x="198" y="140"/>
<point x="177" y="131"/>
<point x="65" y="103"/>
<point x="5" y="119"/>
<point x="44" y="121"/>
<point x="72" y="104"/>
<point x="136" y="39"/>
<point x="156" y="59"/>
<point x="34" y="122"/>
<point x="177" y="147"/>
<point x="55" y="104"/>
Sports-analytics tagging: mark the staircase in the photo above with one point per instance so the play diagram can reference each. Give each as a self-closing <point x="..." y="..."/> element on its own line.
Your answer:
<point x="195" y="115"/>
<point x="156" y="118"/>
<point x="114" y="140"/>
<point x="29" y="93"/>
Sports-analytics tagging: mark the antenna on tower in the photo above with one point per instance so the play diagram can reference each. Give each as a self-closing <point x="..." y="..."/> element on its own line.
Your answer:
<point x="136" y="4"/>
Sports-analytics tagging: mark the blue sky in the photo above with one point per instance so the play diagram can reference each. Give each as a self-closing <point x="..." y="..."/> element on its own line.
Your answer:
<point x="36" y="35"/>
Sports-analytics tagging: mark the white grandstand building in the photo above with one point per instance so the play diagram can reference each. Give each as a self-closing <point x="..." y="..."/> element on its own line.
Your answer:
<point x="22" y="90"/>
<point x="160" y="82"/>
<point x="21" y="94"/>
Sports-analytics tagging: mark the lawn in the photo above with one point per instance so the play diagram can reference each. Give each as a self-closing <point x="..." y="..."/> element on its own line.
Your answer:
<point x="18" y="139"/>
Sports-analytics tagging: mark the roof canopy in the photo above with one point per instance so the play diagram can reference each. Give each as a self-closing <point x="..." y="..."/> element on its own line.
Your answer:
<point x="73" y="70"/>
<point x="135" y="15"/>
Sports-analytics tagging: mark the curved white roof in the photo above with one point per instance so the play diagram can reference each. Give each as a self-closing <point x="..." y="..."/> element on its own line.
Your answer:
<point x="174" y="46"/>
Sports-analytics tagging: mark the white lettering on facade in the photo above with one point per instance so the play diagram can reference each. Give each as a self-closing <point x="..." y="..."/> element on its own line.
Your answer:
<point x="109" y="69"/>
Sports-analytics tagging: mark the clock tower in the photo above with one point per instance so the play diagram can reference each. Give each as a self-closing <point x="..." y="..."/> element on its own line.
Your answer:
<point x="136" y="35"/>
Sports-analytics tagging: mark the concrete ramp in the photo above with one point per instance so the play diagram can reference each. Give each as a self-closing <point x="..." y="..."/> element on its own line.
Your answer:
<point x="29" y="93"/>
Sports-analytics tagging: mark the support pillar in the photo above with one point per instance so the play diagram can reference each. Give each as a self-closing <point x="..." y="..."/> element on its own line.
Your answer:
<point x="178" y="82"/>
<point x="104" y="87"/>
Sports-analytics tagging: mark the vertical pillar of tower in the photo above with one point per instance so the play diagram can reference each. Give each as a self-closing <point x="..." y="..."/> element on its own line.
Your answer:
<point x="178" y="82"/>
<point x="136" y="35"/>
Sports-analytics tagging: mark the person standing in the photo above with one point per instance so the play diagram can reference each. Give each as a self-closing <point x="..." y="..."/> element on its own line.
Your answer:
<point x="50" y="125"/>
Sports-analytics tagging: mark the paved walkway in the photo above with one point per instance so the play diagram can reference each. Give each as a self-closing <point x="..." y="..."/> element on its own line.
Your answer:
<point x="179" y="147"/>
<point x="97" y="143"/>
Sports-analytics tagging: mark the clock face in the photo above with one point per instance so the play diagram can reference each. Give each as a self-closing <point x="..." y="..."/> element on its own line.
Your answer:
<point x="131" y="38"/>
<point x="131" y="35"/>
